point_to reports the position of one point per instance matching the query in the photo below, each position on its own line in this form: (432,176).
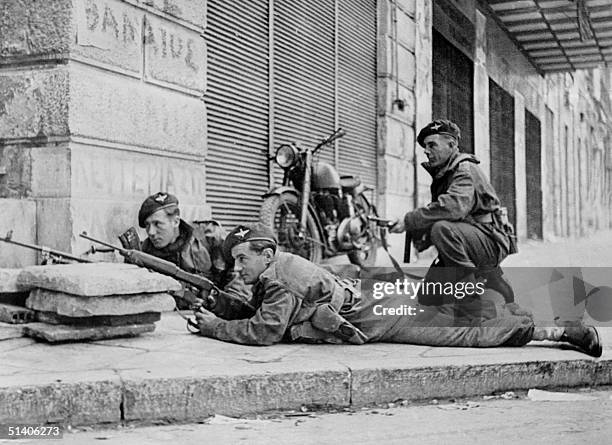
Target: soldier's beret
(246,233)
(154,203)
(439,126)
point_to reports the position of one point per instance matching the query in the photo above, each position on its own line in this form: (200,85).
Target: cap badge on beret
(436,127)
(161,197)
(242,233)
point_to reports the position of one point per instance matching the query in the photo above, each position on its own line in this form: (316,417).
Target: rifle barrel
(46,249)
(119,249)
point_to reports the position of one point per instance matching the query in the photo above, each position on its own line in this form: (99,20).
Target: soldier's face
(162,229)
(438,148)
(248,263)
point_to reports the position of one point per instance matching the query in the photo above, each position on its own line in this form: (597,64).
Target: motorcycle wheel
(281,213)
(366,257)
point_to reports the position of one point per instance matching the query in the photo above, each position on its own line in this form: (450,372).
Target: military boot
(497,282)
(584,337)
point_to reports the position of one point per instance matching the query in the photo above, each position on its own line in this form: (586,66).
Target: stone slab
(10,331)
(78,306)
(34,103)
(78,403)
(98,320)
(79,100)
(97,279)
(62,333)
(16,171)
(110,107)
(15,314)
(174,54)
(183,399)
(8,279)
(375,385)
(31,29)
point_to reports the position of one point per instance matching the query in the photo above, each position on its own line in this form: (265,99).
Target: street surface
(472,421)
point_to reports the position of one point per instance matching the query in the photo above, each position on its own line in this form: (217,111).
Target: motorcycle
(316,213)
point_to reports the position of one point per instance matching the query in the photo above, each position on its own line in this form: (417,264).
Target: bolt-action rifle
(49,256)
(218,301)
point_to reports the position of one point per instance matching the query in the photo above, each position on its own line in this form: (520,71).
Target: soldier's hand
(207,301)
(397,225)
(207,321)
(515,309)
(422,243)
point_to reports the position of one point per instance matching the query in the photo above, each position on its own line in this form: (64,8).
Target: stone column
(424,92)
(481,96)
(397,106)
(103,102)
(519,165)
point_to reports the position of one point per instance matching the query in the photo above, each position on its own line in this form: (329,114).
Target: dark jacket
(291,296)
(192,253)
(189,252)
(459,188)
(459,192)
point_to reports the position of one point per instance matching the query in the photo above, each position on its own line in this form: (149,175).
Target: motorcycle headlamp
(286,155)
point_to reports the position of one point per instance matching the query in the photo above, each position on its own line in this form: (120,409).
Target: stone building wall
(404,91)
(102,105)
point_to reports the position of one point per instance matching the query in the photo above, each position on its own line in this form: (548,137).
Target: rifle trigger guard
(192,326)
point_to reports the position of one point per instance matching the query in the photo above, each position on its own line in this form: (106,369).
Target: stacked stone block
(95,301)
(12,298)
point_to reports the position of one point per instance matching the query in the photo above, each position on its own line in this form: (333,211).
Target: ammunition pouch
(326,325)
(130,239)
(501,221)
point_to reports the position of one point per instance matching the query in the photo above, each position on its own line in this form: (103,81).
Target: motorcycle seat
(349,183)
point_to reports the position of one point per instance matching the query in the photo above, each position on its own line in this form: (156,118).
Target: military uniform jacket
(459,192)
(188,252)
(296,300)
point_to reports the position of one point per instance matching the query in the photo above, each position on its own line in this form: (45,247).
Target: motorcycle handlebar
(335,135)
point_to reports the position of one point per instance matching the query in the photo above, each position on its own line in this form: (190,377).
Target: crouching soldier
(171,238)
(298,301)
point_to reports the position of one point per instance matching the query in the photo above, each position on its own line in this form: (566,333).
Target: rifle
(49,256)
(218,301)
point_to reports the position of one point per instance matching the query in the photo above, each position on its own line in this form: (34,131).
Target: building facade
(103,102)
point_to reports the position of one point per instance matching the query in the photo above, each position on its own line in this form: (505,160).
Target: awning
(559,35)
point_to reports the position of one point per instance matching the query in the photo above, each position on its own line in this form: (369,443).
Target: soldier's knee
(441,231)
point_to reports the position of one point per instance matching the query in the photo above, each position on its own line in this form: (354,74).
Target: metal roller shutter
(533,170)
(304,68)
(237,104)
(322,74)
(453,89)
(501,121)
(357,88)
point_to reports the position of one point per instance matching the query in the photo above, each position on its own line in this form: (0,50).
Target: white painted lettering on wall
(174,53)
(111,174)
(106,25)
(114,32)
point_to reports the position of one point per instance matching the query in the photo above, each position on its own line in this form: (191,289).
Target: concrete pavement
(171,375)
